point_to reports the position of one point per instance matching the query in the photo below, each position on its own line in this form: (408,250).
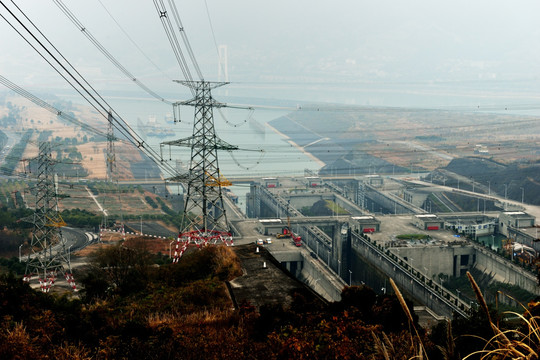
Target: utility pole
(48,254)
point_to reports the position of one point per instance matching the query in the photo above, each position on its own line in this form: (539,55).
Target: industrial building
(428,222)
(514,219)
(365,224)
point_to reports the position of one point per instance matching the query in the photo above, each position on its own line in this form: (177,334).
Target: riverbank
(288,139)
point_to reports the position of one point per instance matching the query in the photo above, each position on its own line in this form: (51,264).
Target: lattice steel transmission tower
(111,156)
(48,254)
(204,217)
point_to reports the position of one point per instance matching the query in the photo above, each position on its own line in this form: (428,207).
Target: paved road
(150,228)
(528,208)
(13,138)
(76,239)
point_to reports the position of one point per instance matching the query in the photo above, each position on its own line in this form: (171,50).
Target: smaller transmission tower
(111,156)
(48,254)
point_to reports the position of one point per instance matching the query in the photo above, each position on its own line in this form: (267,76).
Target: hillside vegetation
(515,176)
(131,308)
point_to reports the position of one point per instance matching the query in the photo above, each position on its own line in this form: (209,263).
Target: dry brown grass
(385,347)
(509,344)
(152,245)
(228,262)
(205,317)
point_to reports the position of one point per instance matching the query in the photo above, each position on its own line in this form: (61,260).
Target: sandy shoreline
(310,155)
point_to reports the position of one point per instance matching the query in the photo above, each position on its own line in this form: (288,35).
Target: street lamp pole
(339,268)
(20,256)
(505,190)
(522,195)
(350,277)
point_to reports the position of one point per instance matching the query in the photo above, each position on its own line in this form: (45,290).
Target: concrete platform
(264,282)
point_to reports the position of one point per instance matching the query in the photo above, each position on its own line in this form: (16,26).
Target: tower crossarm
(196,142)
(182,178)
(55,222)
(196,85)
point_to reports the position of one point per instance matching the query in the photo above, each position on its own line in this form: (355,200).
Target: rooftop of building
(426,216)
(392,226)
(518,214)
(365,219)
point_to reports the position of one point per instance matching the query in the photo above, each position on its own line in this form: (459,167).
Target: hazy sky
(300,42)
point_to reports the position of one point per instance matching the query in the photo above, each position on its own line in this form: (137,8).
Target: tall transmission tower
(111,156)
(48,254)
(204,219)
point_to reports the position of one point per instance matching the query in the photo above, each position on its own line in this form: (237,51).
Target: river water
(279,157)
(266,153)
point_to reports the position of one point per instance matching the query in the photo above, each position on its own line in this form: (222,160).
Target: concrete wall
(311,271)
(392,205)
(432,261)
(449,260)
(325,283)
(409,280)
(504,271)
(308,199)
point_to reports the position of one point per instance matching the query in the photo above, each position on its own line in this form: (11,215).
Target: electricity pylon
(204,217)
(48,254)
(111,156)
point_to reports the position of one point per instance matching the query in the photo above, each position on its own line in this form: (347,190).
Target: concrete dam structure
(338,250)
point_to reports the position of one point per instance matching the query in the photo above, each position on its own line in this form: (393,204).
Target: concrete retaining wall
(432,261)
(392,205)
(409,280)
(504,271)
(321,280)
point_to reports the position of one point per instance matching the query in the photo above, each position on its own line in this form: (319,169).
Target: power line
(214,36)
(105,52)
(79,83)
(39,102)
(185,39)
(173,41)
(133,41)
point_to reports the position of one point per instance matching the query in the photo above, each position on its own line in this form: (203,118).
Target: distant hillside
(515,176)
(3,139)
(357,162)
(383,139)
